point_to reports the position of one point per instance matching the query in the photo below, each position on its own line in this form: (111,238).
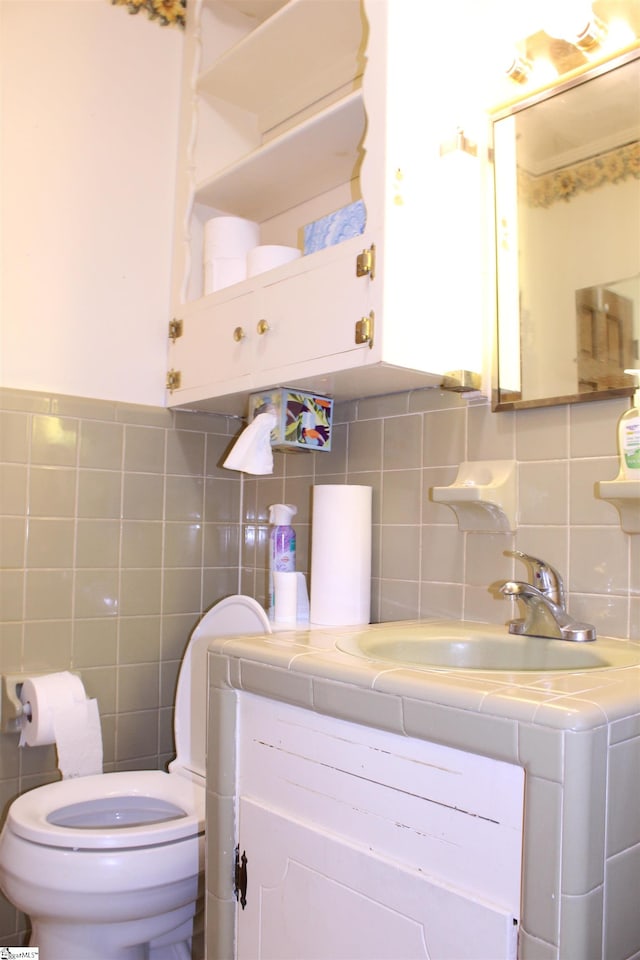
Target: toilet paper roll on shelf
(226,243)
(268,256)
(56,710)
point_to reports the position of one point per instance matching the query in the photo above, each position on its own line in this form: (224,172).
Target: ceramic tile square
(186,453)
(585,505)
(12,542)
(398,600)
(441,600)
(542,434)
(400,553)
(141,593)
(388,405)
(622,932)
(594,427)
(50,543)
(101,445)
(365,446)
(623,817)
(491,436)
(144,449)
(97,543)
(13,489)
(14,437)
(139,640)
(543,493)
(222,501)
(52,492)
(95,643)
(541,893)
(48,594)
(581,923)
(47,645)
(96,594)
(598,560)
(401,496)
(584,809)
(183,545)
(99,493)
(181,591)
(442,555)
(487,565)
(54,441)
(217,449)
(143,496)
(11,595)
(444,439)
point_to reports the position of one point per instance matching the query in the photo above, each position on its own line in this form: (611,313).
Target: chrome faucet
(545,605)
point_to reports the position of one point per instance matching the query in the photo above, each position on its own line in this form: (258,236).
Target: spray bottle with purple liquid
(282,545)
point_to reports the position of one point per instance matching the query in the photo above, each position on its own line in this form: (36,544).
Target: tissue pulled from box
(252,453)
(341,225)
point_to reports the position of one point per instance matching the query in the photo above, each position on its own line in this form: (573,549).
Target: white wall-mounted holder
(483,496)
(12,711)
(624,495)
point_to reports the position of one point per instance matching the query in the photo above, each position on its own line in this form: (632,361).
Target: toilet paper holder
(12,710)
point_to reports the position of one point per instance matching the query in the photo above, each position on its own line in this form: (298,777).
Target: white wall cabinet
(292,110)
(361,845)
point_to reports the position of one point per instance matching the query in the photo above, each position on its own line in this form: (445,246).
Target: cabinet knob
(262,326)
(238,334)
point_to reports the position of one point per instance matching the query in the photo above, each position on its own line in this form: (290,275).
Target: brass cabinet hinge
(174,379)
(176,328)
(366,262)
(364,329)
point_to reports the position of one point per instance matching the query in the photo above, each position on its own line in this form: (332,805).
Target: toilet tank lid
(235,615)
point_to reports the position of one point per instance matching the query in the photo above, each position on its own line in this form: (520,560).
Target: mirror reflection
(567,178)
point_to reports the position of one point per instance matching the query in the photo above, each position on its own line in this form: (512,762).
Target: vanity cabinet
(291,111)
(352,843)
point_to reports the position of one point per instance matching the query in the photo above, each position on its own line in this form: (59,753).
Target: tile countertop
(316,672)
(576,734)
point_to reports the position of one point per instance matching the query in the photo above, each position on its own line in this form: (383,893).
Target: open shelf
(293,167)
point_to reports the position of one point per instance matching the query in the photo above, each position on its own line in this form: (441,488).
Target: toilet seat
(142,808)
(139,808)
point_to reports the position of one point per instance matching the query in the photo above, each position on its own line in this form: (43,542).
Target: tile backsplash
(118,528)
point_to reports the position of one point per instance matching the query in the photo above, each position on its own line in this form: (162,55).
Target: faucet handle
(545,577)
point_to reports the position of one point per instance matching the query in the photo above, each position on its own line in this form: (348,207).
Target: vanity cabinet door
(312,895)
(365,845)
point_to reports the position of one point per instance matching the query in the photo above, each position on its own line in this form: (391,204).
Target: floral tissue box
(304,419)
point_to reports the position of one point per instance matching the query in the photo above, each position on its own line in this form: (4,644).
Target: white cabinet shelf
(294,58)
(276,177)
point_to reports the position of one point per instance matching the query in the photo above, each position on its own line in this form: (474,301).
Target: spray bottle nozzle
(281,514)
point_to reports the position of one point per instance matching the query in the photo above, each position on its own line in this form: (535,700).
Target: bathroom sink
(466,645)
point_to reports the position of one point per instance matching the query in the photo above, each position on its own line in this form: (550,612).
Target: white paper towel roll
(60,713)
(341,555)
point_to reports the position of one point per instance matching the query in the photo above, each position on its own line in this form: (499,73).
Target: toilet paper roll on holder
(13,711)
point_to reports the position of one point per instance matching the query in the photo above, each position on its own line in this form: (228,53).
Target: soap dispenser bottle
(629,437)
(282,545)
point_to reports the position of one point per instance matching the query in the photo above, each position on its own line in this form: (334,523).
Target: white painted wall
(89,136)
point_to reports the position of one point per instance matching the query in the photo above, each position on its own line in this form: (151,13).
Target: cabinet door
(312,314)
(217,345)
(312,895)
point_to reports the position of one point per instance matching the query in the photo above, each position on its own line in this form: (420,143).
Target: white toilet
(109,867)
